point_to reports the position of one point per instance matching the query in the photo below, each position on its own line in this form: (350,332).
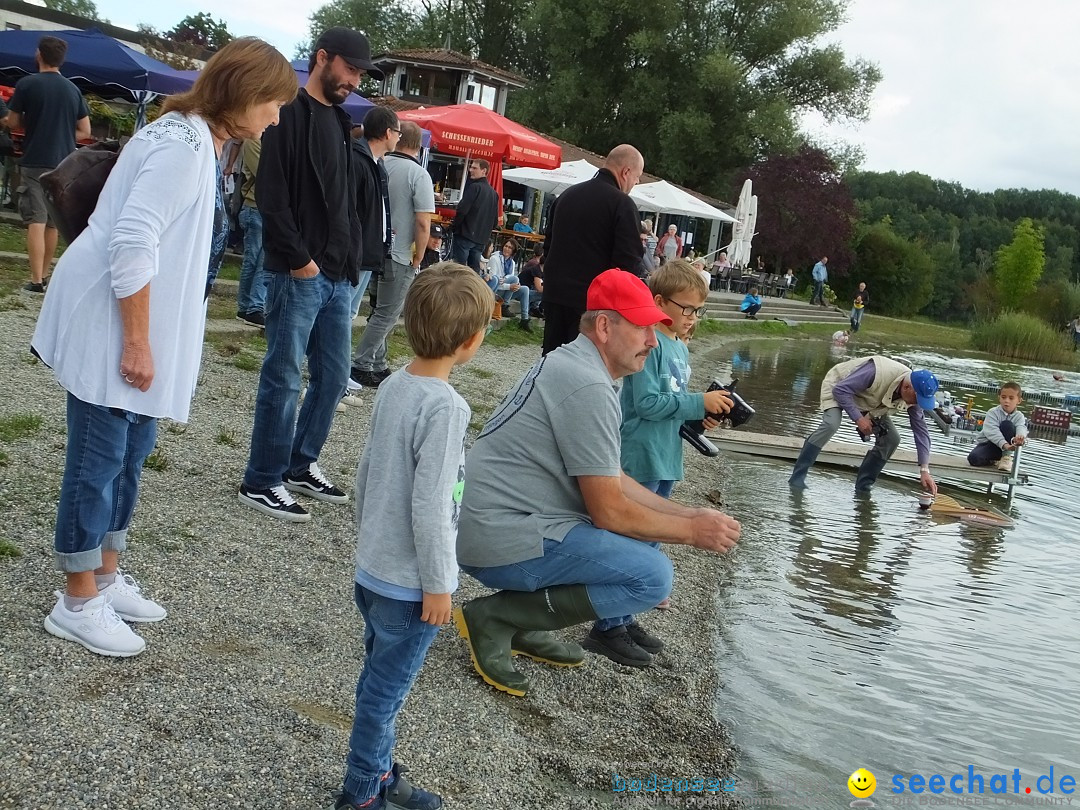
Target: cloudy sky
(982,92)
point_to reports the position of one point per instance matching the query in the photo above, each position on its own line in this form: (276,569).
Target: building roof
(394,103)
(441,57)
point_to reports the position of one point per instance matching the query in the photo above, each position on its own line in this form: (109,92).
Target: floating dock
(846,454)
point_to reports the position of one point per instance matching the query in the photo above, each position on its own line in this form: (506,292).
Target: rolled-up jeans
(106,448)
(622,576)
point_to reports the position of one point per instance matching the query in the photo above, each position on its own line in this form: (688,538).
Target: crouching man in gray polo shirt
(585,548)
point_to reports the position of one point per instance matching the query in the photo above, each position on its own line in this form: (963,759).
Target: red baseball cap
(626,294)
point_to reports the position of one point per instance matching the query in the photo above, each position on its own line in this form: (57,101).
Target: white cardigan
(153,224)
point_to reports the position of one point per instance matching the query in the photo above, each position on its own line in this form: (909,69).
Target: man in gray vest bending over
(867,389)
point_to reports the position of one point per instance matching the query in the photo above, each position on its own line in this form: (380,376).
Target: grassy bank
(1022,336)
(875,328)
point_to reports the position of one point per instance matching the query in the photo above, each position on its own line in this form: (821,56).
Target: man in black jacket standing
(593,227)
(477,216)
(304,190)
(381,133)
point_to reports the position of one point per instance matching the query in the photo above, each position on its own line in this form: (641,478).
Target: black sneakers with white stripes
(314,484)
(275,502)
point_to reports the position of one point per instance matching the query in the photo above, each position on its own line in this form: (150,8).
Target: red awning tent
(473,131)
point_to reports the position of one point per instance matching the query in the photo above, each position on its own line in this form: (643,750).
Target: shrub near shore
(1016,334)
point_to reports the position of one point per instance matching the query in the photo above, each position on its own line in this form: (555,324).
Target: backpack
(73,187)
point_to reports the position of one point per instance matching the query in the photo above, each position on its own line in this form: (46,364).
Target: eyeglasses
(398,131)
(697,311)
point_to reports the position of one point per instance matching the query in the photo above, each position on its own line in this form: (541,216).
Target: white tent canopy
(662,196)
(553,181)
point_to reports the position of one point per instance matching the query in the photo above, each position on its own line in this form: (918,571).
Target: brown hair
(411,136)
(244,73)
(1011,386)
(512,242)
(52,51)
(446,305)
(675,277)
(483,164)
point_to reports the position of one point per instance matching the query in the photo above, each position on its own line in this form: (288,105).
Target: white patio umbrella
(748,232)
(553,181)
(663,196)
(742,211)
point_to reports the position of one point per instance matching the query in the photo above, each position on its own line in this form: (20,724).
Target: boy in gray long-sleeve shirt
(408,494)
(1004,428)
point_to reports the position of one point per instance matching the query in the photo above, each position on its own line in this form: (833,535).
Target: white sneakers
(129,604)
(98,625)
(1005,463)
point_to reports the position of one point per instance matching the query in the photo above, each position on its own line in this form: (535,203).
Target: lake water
(862,633)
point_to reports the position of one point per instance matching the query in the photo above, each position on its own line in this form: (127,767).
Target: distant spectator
(1074,329)
(751,304)
(699,266)
(857,307)
(52,112)
(532,277)
(820,276)
(721,266)
(787,283)
(670,245)
(648,244)
(433,250)
(522,225)
(477,215)
(505,284)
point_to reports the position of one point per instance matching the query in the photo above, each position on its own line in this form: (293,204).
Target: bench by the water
(851,455)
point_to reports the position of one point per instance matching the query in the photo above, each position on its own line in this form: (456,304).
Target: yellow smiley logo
(862,784)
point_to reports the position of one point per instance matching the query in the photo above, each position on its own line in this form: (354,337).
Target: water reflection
(862,632)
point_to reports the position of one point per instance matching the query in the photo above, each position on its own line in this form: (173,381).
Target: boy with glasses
(655,402)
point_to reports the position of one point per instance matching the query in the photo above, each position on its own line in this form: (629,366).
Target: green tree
(80,8)
(703,87)
(177,55)
(898,272)
(1019,265)
(201,30)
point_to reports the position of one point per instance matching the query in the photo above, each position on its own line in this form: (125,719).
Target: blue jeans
(106,448)
(251,294)
(522,296)
(305,316)
(622,575)
(467,252)
(663,489)
(358,293)
(819,293)
(395,643)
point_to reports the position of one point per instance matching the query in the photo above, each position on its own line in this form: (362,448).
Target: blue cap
(926,385)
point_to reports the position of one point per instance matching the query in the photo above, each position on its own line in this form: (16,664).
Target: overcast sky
(982,92)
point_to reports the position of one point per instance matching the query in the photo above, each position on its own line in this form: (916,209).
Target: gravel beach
(243,697)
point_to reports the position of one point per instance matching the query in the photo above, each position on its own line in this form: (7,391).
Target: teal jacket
(655,402)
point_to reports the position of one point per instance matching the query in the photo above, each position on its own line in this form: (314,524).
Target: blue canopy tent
(97,63)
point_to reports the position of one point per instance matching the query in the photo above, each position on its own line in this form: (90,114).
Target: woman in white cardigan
(122,326)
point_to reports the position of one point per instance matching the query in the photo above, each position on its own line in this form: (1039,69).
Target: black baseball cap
(437,230)
(352,46)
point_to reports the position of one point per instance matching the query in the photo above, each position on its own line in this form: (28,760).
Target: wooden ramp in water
(848,454)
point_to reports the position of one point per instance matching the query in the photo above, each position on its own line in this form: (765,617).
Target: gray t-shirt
(50,106)
(408,488)
(560,421)
(411,192)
